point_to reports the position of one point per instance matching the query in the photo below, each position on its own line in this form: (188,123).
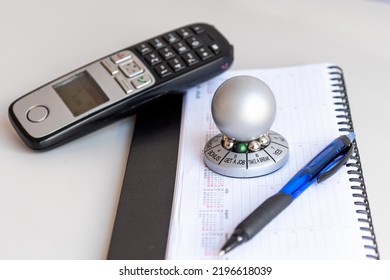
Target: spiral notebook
(172,206)
(331,220)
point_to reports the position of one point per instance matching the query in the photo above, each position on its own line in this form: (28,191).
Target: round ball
(243,108)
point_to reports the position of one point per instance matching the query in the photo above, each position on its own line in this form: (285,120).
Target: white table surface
(61,204)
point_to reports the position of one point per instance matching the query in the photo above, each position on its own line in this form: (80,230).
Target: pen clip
(329,172)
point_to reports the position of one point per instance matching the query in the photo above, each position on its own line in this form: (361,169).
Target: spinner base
(248,164)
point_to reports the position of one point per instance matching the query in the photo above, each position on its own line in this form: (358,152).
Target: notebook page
(320,224)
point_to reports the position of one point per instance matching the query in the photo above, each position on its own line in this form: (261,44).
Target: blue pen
(320,168)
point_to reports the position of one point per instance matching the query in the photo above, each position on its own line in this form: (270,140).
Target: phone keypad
(177,50)
(163,57)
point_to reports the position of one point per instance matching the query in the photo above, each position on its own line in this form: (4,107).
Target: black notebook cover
(142,220)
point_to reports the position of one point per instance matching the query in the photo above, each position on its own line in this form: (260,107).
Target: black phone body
(115,86)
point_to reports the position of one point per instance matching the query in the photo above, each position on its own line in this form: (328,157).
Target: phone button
(110,66)
(121,57)
(131,69)
(163,70)
(124,83)
(37,114)
(141,81)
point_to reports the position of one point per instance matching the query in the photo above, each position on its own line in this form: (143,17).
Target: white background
(61,204)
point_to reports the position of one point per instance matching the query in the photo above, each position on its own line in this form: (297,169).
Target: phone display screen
(80,93)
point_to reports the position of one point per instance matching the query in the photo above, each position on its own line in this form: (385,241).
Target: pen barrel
(265,213)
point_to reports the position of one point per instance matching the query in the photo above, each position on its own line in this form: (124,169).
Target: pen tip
(235,240)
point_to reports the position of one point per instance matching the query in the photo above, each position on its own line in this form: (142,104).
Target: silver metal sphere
(243,108)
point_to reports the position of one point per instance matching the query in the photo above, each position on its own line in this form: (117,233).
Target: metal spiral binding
(354,164)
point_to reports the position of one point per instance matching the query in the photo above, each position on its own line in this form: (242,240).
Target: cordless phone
(116,85)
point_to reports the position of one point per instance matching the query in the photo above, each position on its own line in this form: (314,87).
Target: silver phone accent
(81,93)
